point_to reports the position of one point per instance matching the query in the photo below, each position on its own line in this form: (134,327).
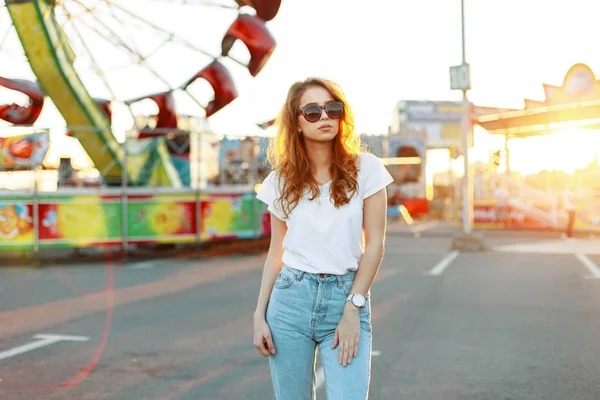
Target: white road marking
(321,374)
(553,246)
(417,229)
(444,263)
(144,265)
(43,340)
(590,265)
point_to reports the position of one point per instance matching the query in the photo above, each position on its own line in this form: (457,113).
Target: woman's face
(325,129)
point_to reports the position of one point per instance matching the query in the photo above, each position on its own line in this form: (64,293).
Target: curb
(239,247)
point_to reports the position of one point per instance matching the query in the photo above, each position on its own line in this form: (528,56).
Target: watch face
(358,300)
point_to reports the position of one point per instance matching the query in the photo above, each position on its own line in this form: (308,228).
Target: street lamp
(460,79)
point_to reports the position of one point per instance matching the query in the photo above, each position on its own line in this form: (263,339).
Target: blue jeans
(303,313)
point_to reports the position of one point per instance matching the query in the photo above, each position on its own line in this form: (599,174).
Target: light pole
(460,79)
(466,127)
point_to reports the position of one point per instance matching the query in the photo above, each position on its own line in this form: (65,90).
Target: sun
(566,151)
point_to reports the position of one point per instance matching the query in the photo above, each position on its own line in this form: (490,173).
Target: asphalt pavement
(519,322)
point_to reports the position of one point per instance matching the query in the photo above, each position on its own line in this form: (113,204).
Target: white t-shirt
(321,238)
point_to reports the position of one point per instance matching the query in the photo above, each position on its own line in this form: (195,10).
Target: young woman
(328,205)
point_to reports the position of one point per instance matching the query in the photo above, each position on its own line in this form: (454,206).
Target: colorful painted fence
(85,220)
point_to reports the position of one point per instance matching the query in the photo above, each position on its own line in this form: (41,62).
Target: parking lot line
(589,264)
(42,341)
(439,268)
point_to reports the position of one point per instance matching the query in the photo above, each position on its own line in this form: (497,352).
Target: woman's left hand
(347,335)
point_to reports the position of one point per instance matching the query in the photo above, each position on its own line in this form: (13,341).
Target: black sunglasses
(313,113)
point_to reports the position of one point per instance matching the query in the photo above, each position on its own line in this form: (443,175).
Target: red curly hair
(287,152)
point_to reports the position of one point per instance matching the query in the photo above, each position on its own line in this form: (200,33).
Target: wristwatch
(357,299)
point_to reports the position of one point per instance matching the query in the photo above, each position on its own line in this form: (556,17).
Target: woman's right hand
(263,341)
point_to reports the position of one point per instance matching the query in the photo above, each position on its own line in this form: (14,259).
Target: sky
(396,50)
(380,52)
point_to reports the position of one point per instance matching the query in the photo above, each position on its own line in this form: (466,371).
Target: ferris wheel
(102,61)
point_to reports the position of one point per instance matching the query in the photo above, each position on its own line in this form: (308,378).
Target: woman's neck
(319,155)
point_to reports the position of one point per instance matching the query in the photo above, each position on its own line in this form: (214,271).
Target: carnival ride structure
(56,35)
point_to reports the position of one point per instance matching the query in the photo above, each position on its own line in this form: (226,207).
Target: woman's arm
(272,266)
(263,341)
(374,223)
(347,334)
